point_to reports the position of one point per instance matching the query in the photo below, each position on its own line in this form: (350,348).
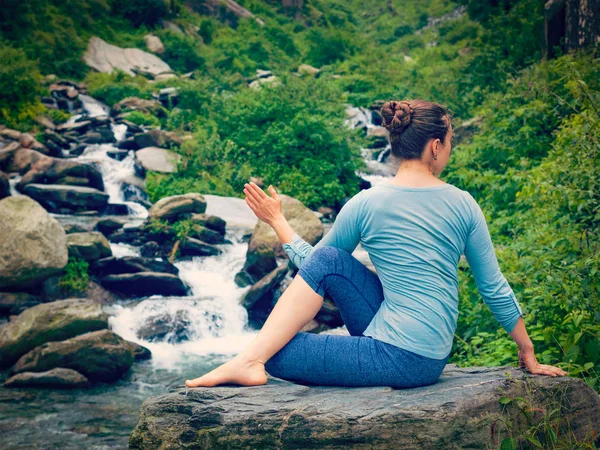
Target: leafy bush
(114,87)
(20,86)
(143,119)
(76,278)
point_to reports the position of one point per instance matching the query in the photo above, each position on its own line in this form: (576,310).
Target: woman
(402,319)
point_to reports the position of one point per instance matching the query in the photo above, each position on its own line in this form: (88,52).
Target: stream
(209,326)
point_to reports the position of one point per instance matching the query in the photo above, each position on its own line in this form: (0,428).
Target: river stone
(47,170)
(56,379)
(54,321)
(57,198)
(99,355)
(259,298)
(145,284)
(105,58)
(170,208)
(4,186)
(193,247)
(90,245)
(34,243)
(457,412)
(156,159)
(264,244)
(14,303)
(131,264)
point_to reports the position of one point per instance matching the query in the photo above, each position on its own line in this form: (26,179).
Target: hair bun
(396,115)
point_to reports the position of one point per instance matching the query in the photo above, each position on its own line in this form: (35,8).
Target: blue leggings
(355,360)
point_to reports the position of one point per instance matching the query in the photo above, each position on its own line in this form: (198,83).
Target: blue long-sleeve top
(415,238)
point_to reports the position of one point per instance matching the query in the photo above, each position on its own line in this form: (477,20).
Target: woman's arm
(344,234)
(497,293)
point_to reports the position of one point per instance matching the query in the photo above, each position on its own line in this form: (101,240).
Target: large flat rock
(457,412)
(105,57)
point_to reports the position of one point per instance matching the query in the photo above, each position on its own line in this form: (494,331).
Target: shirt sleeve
(491,283)
(344,234)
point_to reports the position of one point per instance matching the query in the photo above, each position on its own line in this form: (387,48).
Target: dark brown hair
(412,123)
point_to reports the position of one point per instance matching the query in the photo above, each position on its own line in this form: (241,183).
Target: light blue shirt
(415,238)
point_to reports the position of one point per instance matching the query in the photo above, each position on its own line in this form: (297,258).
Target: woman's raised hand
(527,360)
(268,209)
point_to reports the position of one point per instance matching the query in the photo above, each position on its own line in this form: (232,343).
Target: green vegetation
(531,165)
(75,279)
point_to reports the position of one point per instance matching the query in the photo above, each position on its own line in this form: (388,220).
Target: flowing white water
(377,171)
(211,319)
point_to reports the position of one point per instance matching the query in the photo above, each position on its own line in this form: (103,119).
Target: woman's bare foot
(238,370)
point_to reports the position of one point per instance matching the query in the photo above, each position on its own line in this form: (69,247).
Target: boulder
(14,303)
(307,69)
(140,353)
(90,246)
(145,284)
(110,224)
(137,104)
(156,159)
(465,408)
(61,198)
(47,322)
(98,355)
(169,208)
(4,186)
(7,154)
(169,327)
(23,159)
(193,247)
(258,300)
(264,244)
(48,170)
(131,264)
(105,58)
(157,138)
(34,243)
(58,378)
(214,223)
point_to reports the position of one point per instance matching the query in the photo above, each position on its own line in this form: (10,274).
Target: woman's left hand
(268,209)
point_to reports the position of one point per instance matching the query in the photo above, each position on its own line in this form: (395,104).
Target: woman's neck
(415,174)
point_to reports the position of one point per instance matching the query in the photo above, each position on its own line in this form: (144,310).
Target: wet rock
(38,168)
(140,353)
(169,208)
(105,58)
(80,127)
(110,225)
(4,186)
(7,154)
(157,138)
(145,284)
(98,355)
(259,298)
(90,246)
(146,233)
(75,228)
(264,246)
(242,279)
(14,303)
(455,412)
(194,247)
(170,328)
(212,222)
(61,198)
(58,378)
(131,264)
(204,234)
(34,243)
(150,249)
(119,155)
(47,322)
(157,159)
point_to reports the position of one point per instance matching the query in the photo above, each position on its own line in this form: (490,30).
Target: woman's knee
(324,260)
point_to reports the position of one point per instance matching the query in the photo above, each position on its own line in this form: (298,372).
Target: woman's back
(415,238)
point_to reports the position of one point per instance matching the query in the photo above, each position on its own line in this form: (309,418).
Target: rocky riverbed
(160,307)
